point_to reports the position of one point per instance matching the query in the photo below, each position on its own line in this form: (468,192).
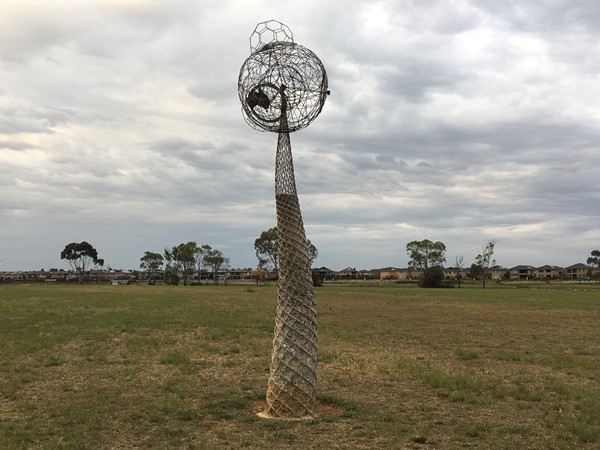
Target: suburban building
(522,272)
(325,273)
(578,271)
(549,272)
(386,273)
(498,273)
(349,273)
(452,273)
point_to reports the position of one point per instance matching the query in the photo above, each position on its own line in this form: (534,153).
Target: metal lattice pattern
(293,374)
(282,87)
(270,31)
(282,76)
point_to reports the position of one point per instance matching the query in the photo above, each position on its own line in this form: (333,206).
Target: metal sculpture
(282,87)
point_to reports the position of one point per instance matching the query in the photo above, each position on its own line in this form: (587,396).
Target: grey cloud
(550,17)
(201,154)
(27,119)
(15,145)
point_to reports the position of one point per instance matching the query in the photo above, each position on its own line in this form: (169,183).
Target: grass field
(128,367)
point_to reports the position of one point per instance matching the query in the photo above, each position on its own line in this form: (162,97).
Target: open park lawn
(165,367)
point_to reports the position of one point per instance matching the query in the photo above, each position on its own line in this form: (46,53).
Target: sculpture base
(266,415)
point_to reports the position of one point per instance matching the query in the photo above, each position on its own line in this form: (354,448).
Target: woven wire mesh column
(293,373)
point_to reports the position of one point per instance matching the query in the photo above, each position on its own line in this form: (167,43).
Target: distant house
(236,274)
(256,273)
(349,273)
(391,273)
(498,273)
(119,276)
(452,273)
(324,273)
(578,271)
(55,275)
(409,274)
(522,272)
(548,272)
(386,273)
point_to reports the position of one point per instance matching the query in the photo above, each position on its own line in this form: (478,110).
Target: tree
(266,250)
(182,258)
(475,272)
(484,259)
(428,257)
(80,255)
(594,261)
(201,262)
(98,263)
(459,268)
(172,268)
(432,277)
(313,253)
(151,262)
(214,260)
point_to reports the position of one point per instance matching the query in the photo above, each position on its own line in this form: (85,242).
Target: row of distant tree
(179,260)
(429,257)
(185,259)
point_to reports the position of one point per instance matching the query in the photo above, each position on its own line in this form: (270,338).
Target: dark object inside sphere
(258,98)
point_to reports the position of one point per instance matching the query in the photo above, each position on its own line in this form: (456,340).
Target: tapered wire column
(293,374)
(282,87)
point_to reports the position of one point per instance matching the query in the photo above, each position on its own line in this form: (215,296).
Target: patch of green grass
(525,393)
(350,361)
(176,358)
(391,422)
(10,387)
(148,342)
(585,432)
(177,386)
(326,357)
(474,429)
(227,408)
(563,390)
(568,363)
(177,409)
(54,361)
(438,379)
(210,348)
(590,406)
(337,401)
(21,435)
(465,355)
(514,430)
(511,355)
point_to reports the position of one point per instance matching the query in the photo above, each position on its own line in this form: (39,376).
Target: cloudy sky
(459,121)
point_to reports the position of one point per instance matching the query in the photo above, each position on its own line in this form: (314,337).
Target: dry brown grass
(162,367)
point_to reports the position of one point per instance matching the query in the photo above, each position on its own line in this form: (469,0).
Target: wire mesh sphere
(282,87)
(270,31)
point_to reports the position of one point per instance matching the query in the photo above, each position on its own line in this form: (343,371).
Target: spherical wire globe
(282,87)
